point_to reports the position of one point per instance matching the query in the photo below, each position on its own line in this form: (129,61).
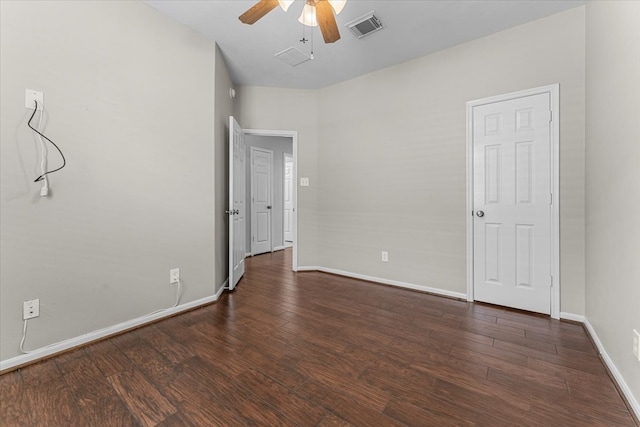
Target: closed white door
(237,208)
(512,203)
(288,200)
(261,207)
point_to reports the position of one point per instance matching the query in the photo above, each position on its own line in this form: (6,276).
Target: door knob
(228,212)
(480,214)
(268,207)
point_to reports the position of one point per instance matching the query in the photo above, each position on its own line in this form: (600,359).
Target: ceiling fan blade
(327,21)
(257,11)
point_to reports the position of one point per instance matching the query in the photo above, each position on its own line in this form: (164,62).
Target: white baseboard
(70,343)
(633,402)
(571,316)
(279,248)
(222,288)
(405,285)
(308,268)
(247,255)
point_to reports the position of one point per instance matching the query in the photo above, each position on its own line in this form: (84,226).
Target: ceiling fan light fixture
(337,5)
(284,4)
(308,16)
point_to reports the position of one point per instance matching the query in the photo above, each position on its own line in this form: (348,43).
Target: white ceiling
(412,29)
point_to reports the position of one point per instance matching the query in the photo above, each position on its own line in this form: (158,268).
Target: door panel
(261,196)
(512,188)
(237,208)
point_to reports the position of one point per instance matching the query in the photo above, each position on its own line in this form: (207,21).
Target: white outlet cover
(174,275)
(31,309)
(31,96)
(304,182)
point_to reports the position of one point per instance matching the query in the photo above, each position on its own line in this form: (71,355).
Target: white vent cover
(365,25)
(293,56)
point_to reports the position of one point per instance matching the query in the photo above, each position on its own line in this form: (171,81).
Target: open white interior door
(237,208)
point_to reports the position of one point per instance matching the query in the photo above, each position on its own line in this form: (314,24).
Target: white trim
(225,285)
(294,136)
(309,268)
(247,254)
(70,343)
(279,248)
(554,94)
(635,406)
(573,317)
(405,285)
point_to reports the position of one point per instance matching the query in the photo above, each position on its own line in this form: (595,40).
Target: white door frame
(253,204)
(293,184)
(554,96)
(294,136)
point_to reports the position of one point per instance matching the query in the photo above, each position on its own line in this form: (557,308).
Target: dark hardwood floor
(312,349)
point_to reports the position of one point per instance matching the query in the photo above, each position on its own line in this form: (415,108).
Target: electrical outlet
(636,344)
(385,256)
(174,275)
(304,182)
(31,96)
(31,309)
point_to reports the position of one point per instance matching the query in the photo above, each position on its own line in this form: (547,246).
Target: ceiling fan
(315,13)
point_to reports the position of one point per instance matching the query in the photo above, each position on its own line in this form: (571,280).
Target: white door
(237,209)
(288,200)
(512,190)
(261,207)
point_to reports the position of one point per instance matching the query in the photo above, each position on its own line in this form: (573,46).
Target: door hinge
(253,238)
(551,281)
(550,198)
(550,116)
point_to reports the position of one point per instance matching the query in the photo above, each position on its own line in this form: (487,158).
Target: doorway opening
(271,193)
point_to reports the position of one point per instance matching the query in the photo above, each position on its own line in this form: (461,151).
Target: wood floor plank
(332,420)
(143,400)
(53,404)
(14,407)
(414,416)
(108,358)
(313,349)
(345,405)
(298,410)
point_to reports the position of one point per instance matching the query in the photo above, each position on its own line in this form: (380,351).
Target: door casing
(554,95)
(287,156)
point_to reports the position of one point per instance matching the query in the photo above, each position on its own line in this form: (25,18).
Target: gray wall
(613,176)
(385,154)
(279,146)
(392,155)
(291,110)
(129,98)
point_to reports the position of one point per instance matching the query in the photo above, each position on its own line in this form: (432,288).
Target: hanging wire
(64,161)
(311,56)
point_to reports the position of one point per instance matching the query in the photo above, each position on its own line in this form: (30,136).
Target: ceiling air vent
(293,56)
(365,25)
